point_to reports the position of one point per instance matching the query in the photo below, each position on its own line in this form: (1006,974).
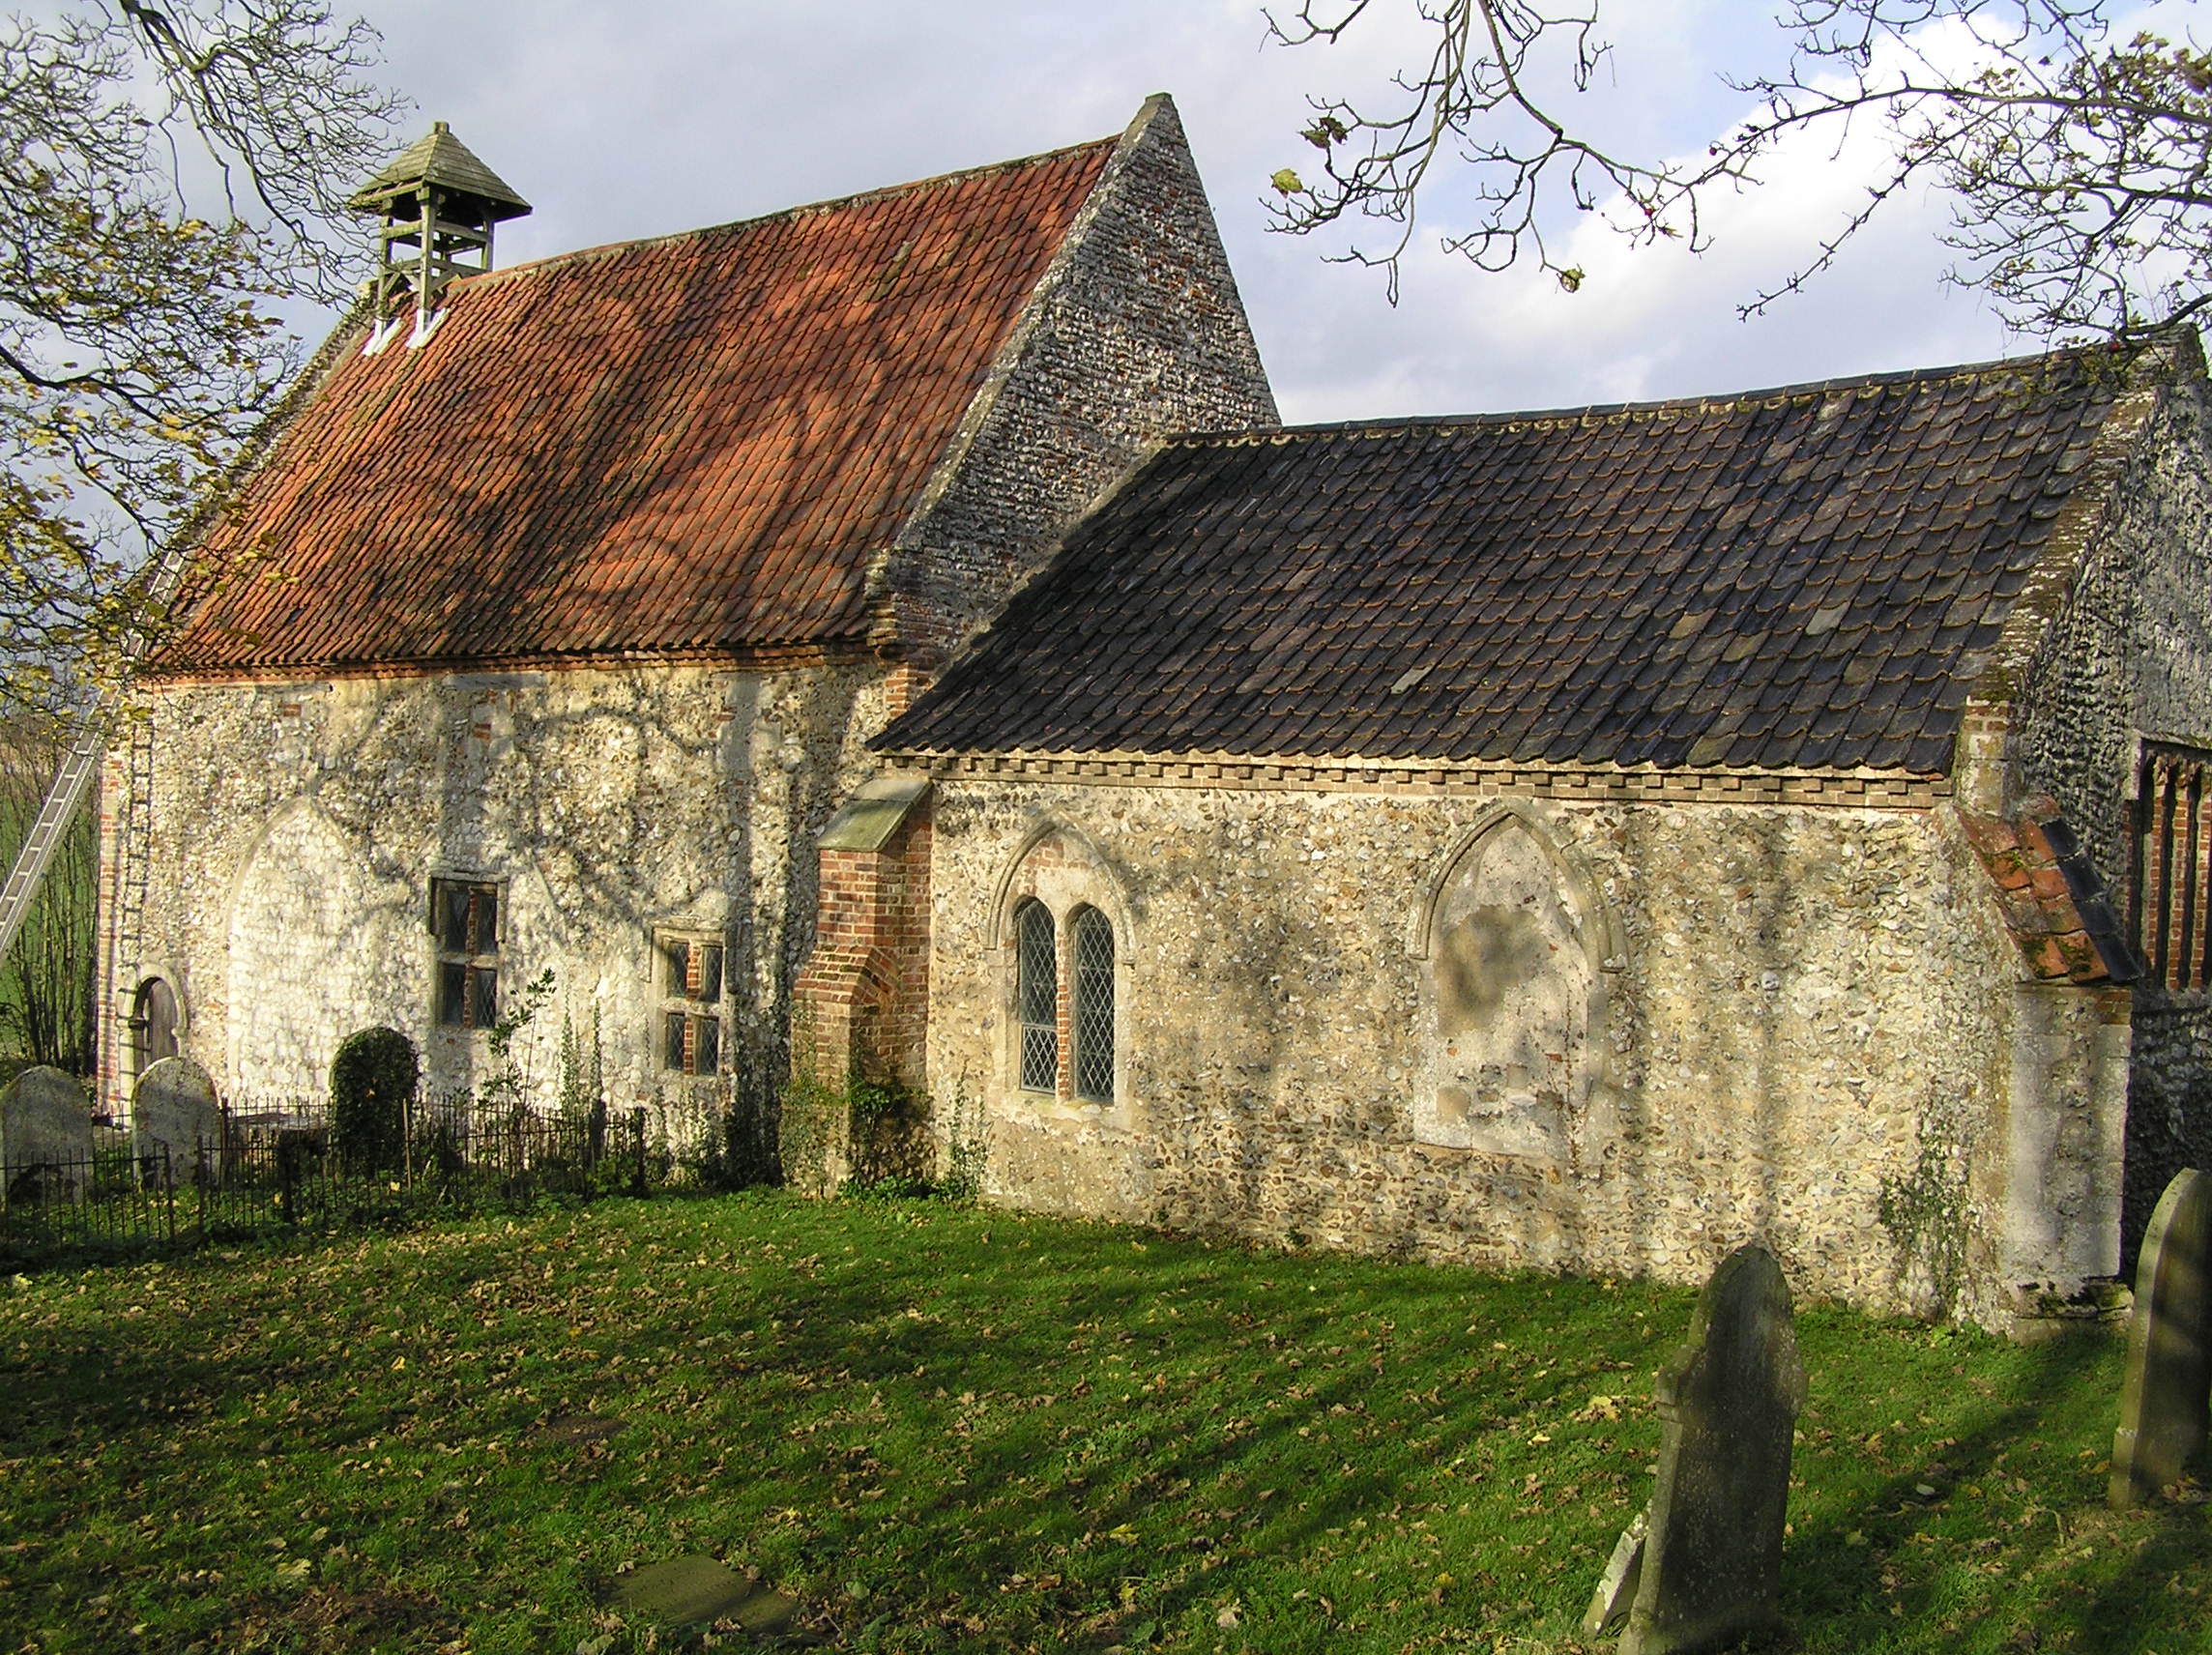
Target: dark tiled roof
(681,446)
(1799,578)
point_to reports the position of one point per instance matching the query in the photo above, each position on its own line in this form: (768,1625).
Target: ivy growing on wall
(372,1089)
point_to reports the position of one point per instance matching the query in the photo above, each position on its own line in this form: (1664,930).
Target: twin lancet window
(1065,1023)
(2173,866)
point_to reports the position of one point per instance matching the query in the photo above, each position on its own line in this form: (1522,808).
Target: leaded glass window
(464,917)
(1093,1007)
(1037,991)
(690,1005)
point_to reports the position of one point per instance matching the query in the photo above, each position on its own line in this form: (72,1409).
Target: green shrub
(372,1087)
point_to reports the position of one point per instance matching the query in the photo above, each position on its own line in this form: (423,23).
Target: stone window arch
(1513,996)
(1063,931)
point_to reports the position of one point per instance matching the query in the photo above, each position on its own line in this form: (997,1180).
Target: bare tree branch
(136,353)
(2079,168)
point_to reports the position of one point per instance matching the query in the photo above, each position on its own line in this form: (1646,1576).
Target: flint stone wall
(1804,1033)
(2127,655)
(297,828)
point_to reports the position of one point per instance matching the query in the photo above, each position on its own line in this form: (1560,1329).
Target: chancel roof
(1808,577)
(687,447)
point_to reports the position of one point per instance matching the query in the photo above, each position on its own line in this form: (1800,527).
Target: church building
(1588,840)
(894,635)
(556,619)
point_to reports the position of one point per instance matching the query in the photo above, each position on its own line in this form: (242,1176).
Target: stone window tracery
(1064,936)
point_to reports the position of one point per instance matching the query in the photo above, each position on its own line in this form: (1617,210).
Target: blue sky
(623,120)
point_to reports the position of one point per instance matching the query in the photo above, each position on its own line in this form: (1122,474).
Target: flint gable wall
(2121,656)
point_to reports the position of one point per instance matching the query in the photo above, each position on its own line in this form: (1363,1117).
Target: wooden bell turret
(436,205)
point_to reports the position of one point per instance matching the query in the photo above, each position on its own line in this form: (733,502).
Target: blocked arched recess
(305,963)
(1519,949)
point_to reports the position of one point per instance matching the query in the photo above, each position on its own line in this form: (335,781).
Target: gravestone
(173,1107)
(2168,1393)
(690,1592)
(1709,1571)
(45,1137)
(1616,1593)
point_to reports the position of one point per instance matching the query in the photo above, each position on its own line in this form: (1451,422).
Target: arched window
(1036,996)
(1093,1007)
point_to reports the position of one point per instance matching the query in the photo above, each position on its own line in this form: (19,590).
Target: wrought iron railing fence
(273,1170)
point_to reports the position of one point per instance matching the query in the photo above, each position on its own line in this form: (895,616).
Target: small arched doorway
(153,1023)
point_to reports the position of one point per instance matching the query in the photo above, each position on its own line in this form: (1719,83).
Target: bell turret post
(436,205)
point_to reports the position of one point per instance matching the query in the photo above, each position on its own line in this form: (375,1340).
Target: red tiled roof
(676,446)
(2054,901)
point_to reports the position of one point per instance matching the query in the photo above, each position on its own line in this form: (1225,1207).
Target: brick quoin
(863,999)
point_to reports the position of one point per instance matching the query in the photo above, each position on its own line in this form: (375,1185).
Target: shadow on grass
(1061,1433)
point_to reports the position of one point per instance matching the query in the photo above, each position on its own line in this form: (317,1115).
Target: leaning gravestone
(45,1137)
(1708,1569)
(173,1108)
(2167,1396)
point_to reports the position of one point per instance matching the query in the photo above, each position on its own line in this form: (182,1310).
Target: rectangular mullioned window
(691,1003)
(464,921)
(2172,850)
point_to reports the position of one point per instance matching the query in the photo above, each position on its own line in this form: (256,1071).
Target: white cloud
(623,119)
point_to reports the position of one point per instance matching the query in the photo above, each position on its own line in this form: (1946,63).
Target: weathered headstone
(688,1591)
(2167,1397)
(1616,1593)
(45,1137)
(173,1109)
(1710,1570)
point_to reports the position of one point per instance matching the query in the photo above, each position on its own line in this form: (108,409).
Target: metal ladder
(62,801)
(66,796)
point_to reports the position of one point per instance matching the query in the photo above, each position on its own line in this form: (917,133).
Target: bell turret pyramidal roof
(439,158)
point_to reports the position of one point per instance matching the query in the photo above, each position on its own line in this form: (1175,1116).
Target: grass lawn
(966,1430)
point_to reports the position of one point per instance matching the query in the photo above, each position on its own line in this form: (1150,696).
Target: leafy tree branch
(167,175)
